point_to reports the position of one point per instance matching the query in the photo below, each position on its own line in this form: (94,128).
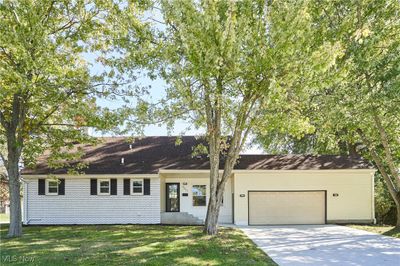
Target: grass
(129,245)
(386,230)
(4,217)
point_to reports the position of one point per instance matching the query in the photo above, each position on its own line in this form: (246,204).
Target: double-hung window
(137,186)
(104,186)
(199,195)
(52,187)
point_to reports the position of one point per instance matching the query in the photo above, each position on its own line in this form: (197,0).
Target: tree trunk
(217,183)
(395,192)
(387,151)
(398,213)
(15,228)
(352,148)
(214,205)
(14,135)
(211,225)
(213,117)
(14,149)
(391,186)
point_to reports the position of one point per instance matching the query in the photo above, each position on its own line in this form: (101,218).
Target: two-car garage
(288,197)
(287,207)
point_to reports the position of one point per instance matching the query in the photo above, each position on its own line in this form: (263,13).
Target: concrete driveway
(324,245)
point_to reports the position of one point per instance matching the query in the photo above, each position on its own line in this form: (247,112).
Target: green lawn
(128,245)
(386,230)
(4,217)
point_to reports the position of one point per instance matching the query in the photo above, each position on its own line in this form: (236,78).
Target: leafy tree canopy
(357,100)
(47,92)
(234,69)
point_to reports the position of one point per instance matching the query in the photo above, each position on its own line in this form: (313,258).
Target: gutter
(252,171)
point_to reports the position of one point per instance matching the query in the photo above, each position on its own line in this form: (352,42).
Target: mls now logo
(15,258)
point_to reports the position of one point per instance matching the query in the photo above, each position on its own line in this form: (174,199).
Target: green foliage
(365,79)
(243,56)
(358,100)
(385,209)
(361,82)
(280,143)
(353,102)
(230,68)
(362,101)
(47,93)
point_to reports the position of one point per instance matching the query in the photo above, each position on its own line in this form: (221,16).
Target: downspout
(373,197)
(26,219)
(25,202)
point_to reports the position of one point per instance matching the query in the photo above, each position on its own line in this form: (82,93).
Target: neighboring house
(154,181)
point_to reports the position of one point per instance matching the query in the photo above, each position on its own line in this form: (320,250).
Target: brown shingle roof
(149,154)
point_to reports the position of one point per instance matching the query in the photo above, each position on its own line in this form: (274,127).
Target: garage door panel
(286,207)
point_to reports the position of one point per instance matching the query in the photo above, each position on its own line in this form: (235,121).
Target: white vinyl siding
(77,206)
(349,193)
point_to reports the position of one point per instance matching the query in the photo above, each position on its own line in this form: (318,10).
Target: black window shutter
(93,186)
(146,185)
(113,184)
(61,186)
(41,186)
(127,186)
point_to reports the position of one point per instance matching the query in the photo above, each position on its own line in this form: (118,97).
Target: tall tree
(228,66)
(47,93)
(360,95)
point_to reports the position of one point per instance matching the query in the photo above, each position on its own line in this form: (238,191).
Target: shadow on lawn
(394,232)
(131,244)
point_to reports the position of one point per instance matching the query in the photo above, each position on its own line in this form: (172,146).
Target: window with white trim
(137,186)
(52,187)
(103,187)
(199,195)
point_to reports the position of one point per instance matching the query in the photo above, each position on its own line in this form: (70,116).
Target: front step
(182,218)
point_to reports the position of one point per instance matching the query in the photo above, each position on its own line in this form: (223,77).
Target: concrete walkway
(325,245)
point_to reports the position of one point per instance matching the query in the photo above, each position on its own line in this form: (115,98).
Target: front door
(172,197)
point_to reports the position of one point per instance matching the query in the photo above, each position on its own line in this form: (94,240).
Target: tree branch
(3,121)
(387,151)
(5,162)
(379,163)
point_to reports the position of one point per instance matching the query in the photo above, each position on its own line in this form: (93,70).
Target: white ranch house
(152,180)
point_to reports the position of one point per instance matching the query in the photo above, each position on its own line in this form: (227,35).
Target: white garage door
(286,207)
